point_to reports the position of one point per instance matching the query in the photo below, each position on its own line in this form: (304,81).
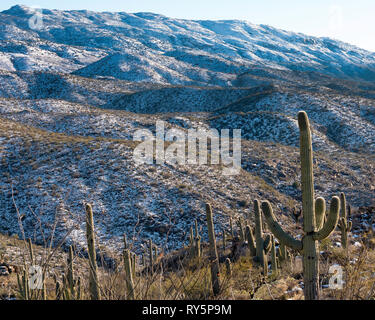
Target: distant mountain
(154,48)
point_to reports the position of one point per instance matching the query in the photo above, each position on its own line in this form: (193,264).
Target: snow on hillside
(73,93)
(151,47)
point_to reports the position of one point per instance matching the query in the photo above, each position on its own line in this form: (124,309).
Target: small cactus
(191,238)
(129,274)
(344,225)
(263,245)
(23,285)
(241,230)
(197,241)
(214,259)
(90,235)
(274,262)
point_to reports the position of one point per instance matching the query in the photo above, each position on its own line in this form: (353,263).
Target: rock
(4,271)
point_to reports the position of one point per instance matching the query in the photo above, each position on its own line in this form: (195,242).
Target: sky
(346,20)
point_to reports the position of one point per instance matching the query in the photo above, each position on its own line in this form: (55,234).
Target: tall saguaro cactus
(344,225)
(312,233)
(93,280)
(263,245)
(214,259)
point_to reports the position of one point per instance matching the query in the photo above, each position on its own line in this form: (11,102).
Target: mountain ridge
(211,52)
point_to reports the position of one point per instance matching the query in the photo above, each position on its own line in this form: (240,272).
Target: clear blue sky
(347,20)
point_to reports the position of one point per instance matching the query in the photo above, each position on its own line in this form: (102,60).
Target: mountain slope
(73,93)
(151,47)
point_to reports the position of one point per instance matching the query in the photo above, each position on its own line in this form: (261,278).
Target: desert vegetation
(234,264)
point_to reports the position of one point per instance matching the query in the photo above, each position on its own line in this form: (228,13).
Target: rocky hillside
(73,93)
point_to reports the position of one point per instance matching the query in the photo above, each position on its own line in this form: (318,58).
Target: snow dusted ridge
(151,47)
(73,93)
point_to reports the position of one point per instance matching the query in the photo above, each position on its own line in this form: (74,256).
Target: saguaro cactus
(93,279)
(263,245)
(231,227)
(196,249)
(241,230)
(23,285)
(344,225)
(308,244)
(129,274)
(214,259)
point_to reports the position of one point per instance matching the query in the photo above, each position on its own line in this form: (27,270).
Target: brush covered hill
(74,92)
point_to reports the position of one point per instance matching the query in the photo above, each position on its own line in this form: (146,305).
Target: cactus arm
(342,224)
(267,244)
(250,241)
(276,229)
(331,222)
(320,210)
(350,224)
(343,205)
